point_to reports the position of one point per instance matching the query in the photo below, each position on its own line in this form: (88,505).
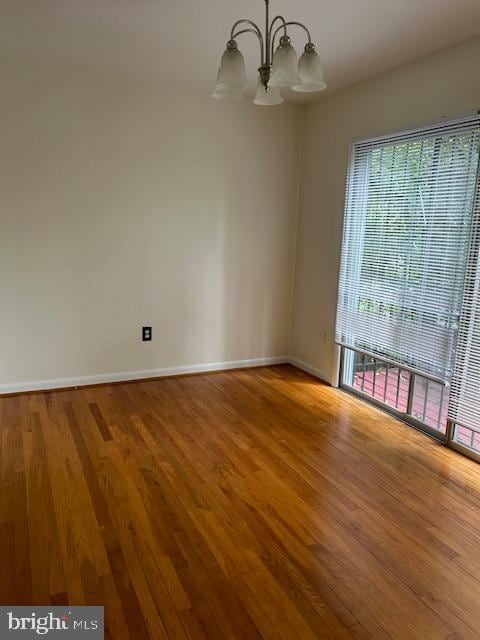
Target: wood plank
(246,504)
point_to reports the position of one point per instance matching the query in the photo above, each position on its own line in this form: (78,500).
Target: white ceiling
(180,41)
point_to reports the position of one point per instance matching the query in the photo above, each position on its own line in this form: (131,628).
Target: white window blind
(407,226)
(464,407)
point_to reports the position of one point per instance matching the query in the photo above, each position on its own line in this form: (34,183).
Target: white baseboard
(127,376)
(105,378)
(321,375)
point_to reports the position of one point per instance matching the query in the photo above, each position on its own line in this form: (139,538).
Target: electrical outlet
(325,336)
(146,334)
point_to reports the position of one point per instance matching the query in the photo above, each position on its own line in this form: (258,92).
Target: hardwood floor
(249,504)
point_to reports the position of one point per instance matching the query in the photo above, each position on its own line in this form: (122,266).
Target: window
(464,410)
(406,260)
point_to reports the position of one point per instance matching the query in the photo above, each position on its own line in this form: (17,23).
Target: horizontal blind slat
(464,407)
(406,234)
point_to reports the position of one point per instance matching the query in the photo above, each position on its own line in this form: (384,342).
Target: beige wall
(446,84)
(126,204)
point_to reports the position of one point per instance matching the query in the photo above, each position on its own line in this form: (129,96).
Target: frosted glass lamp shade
(224,91)
(268,98)
(284,65)
(232,77)
(310,72)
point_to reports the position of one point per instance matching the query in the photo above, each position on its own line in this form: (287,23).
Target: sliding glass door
(464,405)
(416,398)
(408,317)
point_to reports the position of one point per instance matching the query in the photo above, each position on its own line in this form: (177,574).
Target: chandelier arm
(259,36)
(284,26)
(276,19)
(251,23)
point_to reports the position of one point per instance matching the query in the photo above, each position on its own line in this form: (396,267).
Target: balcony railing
(419,399)
(416,398)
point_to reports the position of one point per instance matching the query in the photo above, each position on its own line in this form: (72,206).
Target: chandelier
(278,68)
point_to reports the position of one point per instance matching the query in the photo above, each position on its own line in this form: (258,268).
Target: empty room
(240,319)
